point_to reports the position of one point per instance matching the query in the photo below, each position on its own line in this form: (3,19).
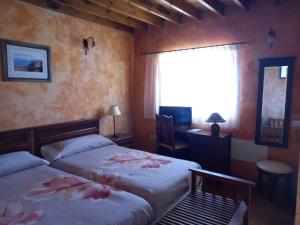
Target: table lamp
(215,128)
(115,111)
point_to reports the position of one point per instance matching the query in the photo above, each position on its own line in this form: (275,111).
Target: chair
(166,137)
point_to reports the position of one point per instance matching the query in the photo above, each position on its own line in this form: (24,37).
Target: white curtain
(151,102)
(205,79)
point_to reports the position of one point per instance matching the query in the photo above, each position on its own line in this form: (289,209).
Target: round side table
(274,170)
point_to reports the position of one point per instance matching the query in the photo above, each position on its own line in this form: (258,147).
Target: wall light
(88,43)
(271,37)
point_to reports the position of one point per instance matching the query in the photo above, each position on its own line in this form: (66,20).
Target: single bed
(160,180)
(33,193)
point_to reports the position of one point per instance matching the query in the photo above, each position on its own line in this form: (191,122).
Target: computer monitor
(182,116)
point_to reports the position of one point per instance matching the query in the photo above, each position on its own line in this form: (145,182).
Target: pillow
(72,146)
(17,161)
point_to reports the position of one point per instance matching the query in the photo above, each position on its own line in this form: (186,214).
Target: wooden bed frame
(32,139)
(16,140)
(47,134)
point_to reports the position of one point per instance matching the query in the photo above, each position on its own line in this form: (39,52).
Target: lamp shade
(115,111)
(215,118)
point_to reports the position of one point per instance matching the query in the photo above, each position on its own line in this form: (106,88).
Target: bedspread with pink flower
(69,188)
(12,213)
(156,178)
(45,196)
(138,159)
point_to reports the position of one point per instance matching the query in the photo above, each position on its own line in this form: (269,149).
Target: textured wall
(237,25)
(82,86)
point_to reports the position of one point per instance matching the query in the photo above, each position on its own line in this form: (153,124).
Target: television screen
(182,116)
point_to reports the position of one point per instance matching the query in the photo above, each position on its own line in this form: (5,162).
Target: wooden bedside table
(125,140)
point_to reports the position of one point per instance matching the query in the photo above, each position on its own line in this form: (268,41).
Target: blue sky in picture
(25,62)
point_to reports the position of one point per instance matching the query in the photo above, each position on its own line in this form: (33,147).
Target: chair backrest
(165,130)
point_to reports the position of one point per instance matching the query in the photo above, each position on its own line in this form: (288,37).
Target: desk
(211,152)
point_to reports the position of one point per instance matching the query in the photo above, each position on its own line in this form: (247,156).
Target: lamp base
(114,136)
(215,129)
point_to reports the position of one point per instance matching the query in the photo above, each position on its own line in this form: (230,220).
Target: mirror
(274,101)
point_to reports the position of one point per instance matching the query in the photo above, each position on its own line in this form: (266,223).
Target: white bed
(33,193)
(158,179)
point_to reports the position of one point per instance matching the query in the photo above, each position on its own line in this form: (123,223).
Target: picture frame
(25,62)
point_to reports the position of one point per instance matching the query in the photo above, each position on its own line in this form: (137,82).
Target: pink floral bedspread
(12,213)
(135,159)
(45,196)
(157,179)
(69,188)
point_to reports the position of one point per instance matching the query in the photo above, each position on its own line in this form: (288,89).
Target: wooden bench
(202,207)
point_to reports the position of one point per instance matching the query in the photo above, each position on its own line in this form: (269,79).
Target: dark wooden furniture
(201,207)
(211,152)
(47,134)
(125,140)
(16,140)
(165,135)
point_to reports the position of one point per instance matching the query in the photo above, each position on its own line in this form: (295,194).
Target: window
(206,79)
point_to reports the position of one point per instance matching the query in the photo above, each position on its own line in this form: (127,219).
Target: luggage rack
(201,207)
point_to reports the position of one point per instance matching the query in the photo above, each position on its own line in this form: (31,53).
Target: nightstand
(125,140)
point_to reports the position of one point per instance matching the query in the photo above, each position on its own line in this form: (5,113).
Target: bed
(31,192)
(160,180)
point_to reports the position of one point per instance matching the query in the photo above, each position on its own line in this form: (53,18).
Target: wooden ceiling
(128,15)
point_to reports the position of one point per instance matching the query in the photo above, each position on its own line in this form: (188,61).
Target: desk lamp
(115,111)
(215,128)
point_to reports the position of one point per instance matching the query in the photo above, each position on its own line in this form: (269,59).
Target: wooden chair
(203,207)
(166,137)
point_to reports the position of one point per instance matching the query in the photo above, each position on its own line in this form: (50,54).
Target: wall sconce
(86,44)
(271,37)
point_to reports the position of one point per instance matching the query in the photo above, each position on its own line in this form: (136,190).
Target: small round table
(274,170)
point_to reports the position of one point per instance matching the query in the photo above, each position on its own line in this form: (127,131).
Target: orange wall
(237,25)
(82,86)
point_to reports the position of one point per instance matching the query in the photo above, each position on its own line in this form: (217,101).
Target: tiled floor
(264,212)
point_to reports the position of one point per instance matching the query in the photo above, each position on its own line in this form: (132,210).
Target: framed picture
(25,62)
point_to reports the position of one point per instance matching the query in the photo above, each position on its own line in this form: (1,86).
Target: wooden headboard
(47,134)
(16,140)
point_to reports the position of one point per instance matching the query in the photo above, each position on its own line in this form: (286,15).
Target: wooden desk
(211,152)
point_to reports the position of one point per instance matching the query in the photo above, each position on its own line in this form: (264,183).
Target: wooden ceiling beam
(244,4)
(91,8)
(51,5)
(214,6)
(184,8)
(171,17)
(126,9)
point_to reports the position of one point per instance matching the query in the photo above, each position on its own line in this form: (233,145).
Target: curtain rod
(208,46)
